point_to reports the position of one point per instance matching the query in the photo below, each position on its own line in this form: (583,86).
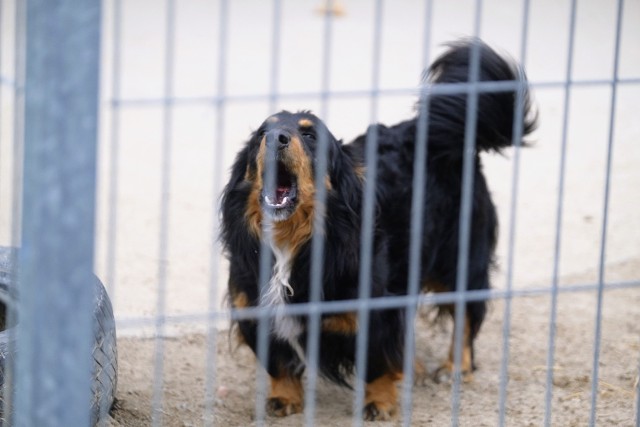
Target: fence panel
(56,259)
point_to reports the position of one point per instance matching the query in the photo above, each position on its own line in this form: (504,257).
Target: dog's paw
(374,411)
(420,374)
(445,374)
(280,407)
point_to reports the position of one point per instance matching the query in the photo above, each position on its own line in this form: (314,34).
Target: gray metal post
(53,369)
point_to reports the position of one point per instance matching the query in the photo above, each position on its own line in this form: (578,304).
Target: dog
(270,202)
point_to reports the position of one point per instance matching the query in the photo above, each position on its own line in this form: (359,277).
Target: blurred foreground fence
(54,133)
(56,90)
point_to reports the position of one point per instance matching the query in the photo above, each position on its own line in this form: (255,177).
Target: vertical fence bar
(417,221)
(218,170)
(114,155)
(517,142)
(53,385)
(637,392)
(18,154)
(605,216)
(2,78)
(5,390)
(318,242)
(264,319)
(16,187)
(367,227)
(415,253)
(265,316)
(274,74)
(18,120)
(165,202)
(466,206)
(559,212)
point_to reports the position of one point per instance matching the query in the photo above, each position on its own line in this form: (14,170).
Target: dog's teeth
(274,203)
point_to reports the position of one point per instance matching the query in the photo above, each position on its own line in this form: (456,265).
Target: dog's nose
(277,138)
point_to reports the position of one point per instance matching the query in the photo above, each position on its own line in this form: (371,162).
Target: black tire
(105,355)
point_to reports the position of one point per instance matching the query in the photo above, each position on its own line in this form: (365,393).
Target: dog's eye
(309,135)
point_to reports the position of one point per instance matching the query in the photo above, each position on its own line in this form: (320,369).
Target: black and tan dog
(286,144)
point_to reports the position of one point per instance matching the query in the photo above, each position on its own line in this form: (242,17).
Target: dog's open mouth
(279,200)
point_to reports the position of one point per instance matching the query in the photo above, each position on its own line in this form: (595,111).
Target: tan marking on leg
(344,324)
(420,373)
(433,286)
(446,370)
(286,396)
(381,397)
(466,363)
(239,338)
(240,300)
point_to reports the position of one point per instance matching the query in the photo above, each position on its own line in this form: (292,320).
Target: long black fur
(394,184)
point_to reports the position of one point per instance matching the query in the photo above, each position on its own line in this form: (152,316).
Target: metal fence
(50,89)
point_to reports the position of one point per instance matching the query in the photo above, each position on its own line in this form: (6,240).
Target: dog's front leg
(381,397)
(286,396)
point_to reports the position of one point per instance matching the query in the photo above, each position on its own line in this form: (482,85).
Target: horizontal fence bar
(381,303)
(439,89)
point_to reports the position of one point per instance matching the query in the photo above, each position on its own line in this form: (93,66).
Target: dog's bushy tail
(496,107)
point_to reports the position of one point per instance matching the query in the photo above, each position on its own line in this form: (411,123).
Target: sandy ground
(191,273)
(234,386)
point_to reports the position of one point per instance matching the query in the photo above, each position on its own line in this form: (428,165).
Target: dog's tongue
(281,193)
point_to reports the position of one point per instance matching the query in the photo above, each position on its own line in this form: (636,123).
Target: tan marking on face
(249,174)
(273,119)
(344,323)
(253,214)
(298,228)
(383,393)
(305,123)
(327,183)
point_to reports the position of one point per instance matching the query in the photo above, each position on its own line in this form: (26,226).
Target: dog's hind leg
(473,317)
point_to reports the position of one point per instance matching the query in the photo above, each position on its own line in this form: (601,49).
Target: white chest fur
(286,327)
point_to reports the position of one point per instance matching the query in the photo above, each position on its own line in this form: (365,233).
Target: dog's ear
(244,161)
(333,153)
(249,155)
(347,185)
(239,168)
